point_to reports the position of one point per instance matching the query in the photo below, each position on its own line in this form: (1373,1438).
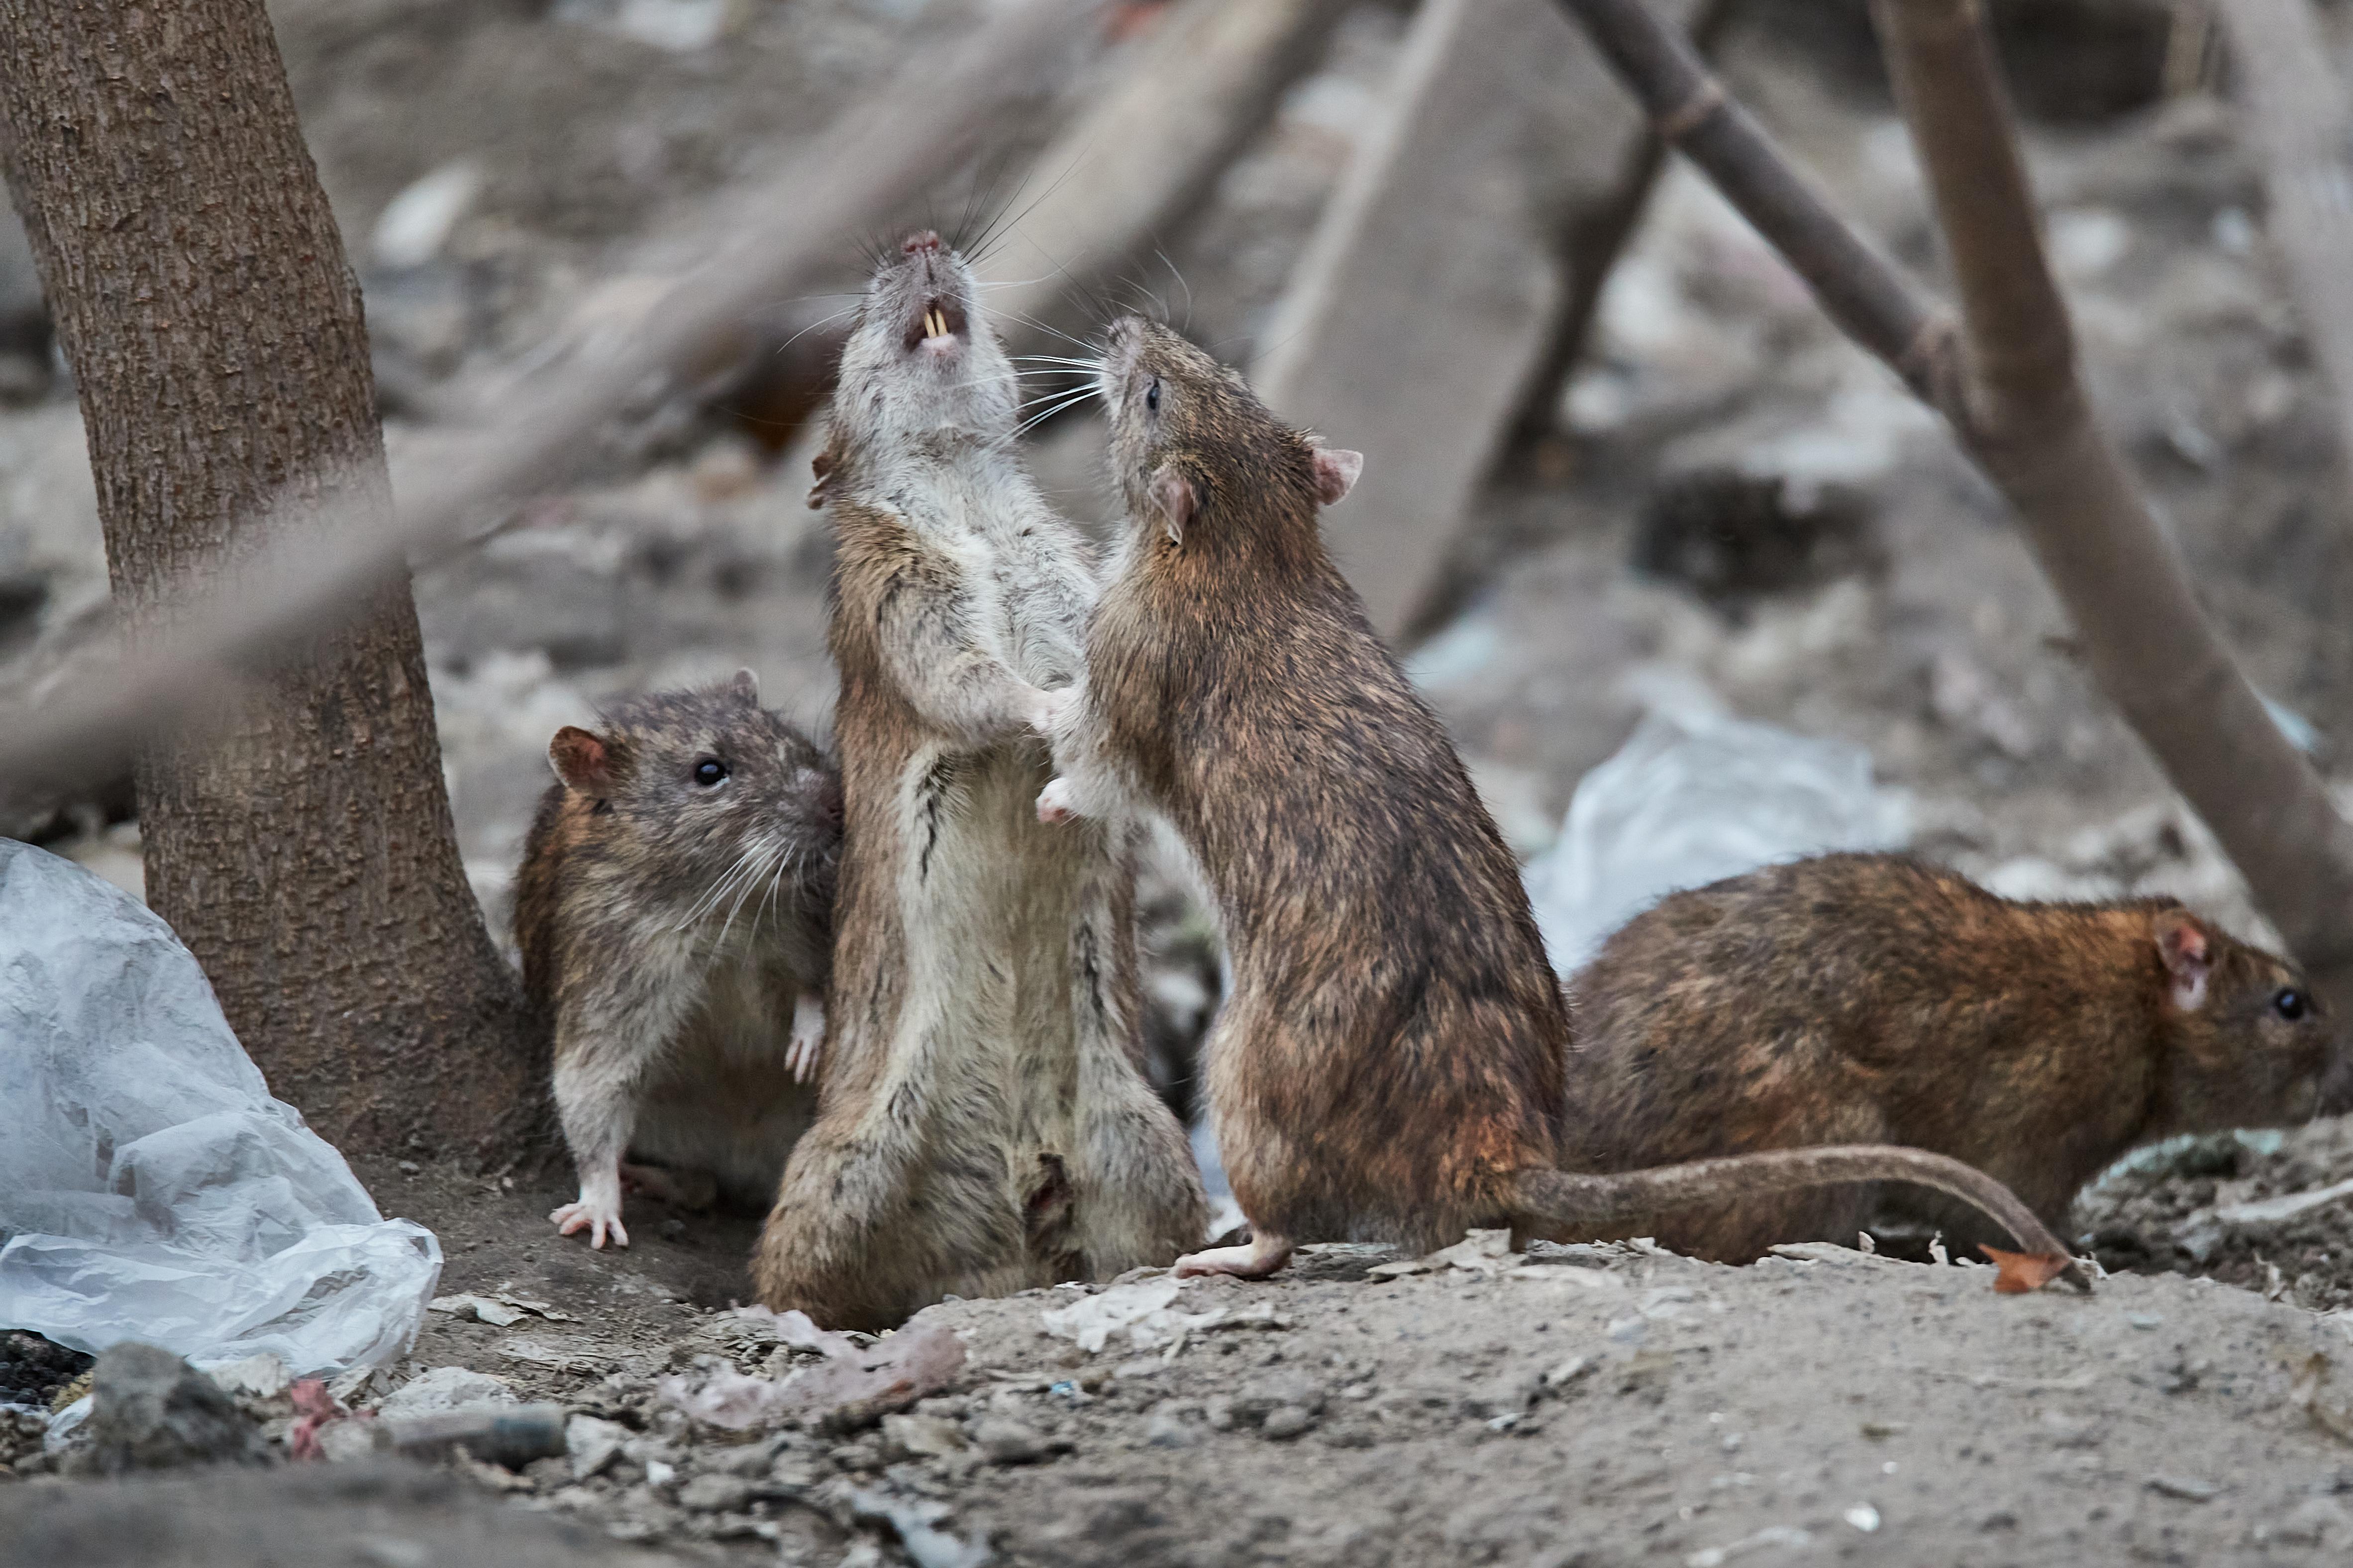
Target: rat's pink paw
(1054,802)
(800,1056)
(598,1219)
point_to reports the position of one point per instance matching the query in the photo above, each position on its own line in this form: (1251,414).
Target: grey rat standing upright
(1877,997)
(674,910)
(987,1125)
(1389,1064)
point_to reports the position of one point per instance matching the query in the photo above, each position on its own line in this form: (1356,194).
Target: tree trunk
(302,846)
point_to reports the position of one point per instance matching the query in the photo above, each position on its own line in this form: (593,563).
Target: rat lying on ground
(986,1124)
(1857,998)
(1390,1063)
(674,910)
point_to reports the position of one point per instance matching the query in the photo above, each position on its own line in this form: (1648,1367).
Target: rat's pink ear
(743,683)
(582,761)
(2189,955)
(1174,494)
(1335,474)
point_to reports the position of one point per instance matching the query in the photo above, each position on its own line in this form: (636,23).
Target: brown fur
(1875,998)
(985,1126)
(668,929)
(1390,1063)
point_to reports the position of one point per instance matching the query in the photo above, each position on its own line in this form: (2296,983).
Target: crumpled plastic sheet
(150,1188)
(1691,798)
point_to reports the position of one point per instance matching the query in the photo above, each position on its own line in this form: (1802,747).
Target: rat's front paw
(597,1216)
(1054,803)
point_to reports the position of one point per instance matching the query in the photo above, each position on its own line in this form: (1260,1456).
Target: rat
(985,1125)
(1390,1063)
(674,913)
(1878,998)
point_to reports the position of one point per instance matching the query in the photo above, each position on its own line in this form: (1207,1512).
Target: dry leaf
(2016,1273)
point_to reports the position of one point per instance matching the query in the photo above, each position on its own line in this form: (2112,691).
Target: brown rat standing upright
(986,1124)
(674,911)
(1876,998)
(1389,1064)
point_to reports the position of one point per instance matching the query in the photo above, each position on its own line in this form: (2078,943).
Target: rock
(1006,1442)
(1287,1421)
(262,1376)
(1166,1427)
(444,1388)
(924,1436)
(716,1494)
(149,1410)
(2315,1521)
(592,1443)
(340,1442)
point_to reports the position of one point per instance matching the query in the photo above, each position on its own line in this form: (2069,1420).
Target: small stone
(1166,1428)
(716,1494)
(2187,1489)
(592,1443)
(1287,1421)
(409,1167)
(924,1436)
(2315,1521)
(341,1442)
(1219,1414)
(659,1473)
(150,1410)
(444,1388)
(1006,1442)
(1863,1517)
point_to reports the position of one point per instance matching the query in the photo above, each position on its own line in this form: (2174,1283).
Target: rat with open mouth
(985,1125)
(1390,1064)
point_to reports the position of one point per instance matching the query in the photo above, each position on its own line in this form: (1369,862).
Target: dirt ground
(1583,1406)
(1857,581)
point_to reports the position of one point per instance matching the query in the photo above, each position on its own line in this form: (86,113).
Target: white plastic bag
(150,1188)
(1691,798)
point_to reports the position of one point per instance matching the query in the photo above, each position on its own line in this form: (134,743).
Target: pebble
(1006,1442)
(716,1494)
(592,1443)
(1287,1421)
(2187,1489)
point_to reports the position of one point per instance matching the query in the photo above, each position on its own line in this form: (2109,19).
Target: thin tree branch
(2014,402)
(764,239)
(2294,109)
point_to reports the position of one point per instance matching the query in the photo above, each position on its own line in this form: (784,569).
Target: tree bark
(302,844)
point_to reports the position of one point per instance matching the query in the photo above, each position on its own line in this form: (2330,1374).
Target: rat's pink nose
(922,239)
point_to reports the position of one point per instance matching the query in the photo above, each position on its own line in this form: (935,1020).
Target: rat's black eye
(2290,1004)
(1152,395)
(710,773)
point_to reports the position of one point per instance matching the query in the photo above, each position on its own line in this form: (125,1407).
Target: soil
(1590,1405)
(1737,505)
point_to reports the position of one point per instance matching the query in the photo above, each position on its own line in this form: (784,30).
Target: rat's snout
(934,297)
(922,240)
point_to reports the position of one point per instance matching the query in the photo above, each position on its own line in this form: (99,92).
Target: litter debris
(1691,798)
(1483,1252)
(916,1524)
(262,1376)
(853,1386)
(501,1309)
(2288,1205)
(1771,1535)
(2187,1490)
(1144,1310)
(444,1388)
(592,1443)
(511,1436)
(150,1188)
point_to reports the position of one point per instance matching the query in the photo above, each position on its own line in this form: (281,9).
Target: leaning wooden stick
(2297,116)
(2006,380)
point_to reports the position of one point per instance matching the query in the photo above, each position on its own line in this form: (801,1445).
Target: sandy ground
(1582,1405)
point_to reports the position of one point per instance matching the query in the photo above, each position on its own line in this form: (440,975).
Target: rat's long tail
(1572,1198)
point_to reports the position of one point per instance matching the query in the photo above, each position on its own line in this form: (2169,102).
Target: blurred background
(1634,470)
